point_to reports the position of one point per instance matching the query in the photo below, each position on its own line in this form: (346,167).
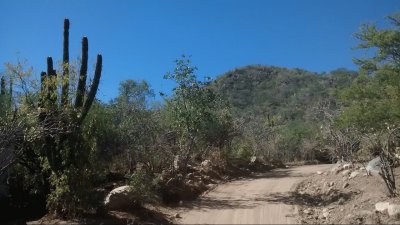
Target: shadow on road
(316,199)
(279,173)
(206,203)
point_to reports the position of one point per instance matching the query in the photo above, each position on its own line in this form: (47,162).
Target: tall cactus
(3,87)
(49,95)
(65,77)
(81,104)
(80,91)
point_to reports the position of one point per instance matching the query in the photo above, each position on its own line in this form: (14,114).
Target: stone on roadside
(325,215)
(381,206)
(119,198)
(353,174)
(394,210)
(346,172)
(307,211)
(347,166)
(319,172)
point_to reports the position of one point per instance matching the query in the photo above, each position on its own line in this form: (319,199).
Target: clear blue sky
(140,39)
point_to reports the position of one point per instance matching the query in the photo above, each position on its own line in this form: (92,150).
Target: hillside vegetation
(280,110)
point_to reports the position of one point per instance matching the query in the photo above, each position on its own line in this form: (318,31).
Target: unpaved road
(261,200)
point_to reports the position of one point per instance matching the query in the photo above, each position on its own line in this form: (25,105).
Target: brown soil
(264,198)
(324,199)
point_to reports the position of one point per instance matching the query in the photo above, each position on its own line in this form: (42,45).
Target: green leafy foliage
(372,101)
(278,109)
(196,113)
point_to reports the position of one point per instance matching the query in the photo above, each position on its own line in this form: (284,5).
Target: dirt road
(260,200)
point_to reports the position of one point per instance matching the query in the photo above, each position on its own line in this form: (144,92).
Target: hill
(279,105)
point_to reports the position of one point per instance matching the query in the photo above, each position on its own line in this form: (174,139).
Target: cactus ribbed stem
(10,92)
(93,87)
(65,77)
(80,91)
(3,86)
(43,88)
(51,83)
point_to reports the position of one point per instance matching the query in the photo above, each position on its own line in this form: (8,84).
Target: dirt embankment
(343,196)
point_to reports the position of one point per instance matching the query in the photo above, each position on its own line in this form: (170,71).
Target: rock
(210,186)
(374,165)
(346,172)
(341,201)
(354,174)
(381,206)
(319,172)
(307,211)
(345,185)
(336,169)
(325,215)
(394,210)
(331,184)
(325,173)
(177,215)
(206,165)
(120,198)
(347,166)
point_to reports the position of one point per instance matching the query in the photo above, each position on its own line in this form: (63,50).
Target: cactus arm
(43,88)
(80,91)
(3,86)
(93,87)
(65,66)
(51,83)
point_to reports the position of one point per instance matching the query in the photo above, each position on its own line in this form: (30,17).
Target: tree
(195,111)
(137,124)
(373,100)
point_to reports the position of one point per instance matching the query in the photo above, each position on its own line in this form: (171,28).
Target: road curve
(264,199)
